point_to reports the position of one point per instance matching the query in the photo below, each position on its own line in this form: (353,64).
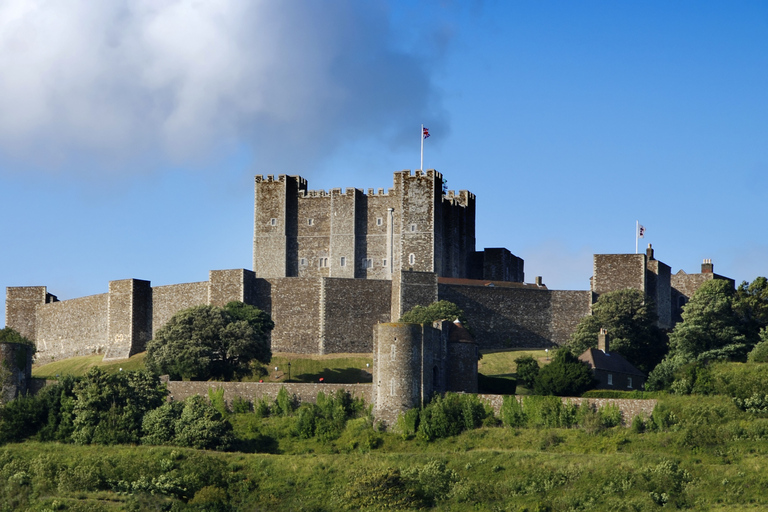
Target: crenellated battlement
(281,178)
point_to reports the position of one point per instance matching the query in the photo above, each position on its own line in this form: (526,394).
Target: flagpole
(637,234)
(421,134)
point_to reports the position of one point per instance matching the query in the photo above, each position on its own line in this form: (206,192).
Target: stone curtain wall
(295,309)
(179,390)
(567,309)
(20,306)
(410,289)
(518,317)
(659,290)
(75,327)
(629,407)
(350,310)
(618,271)
(169,300)
(130,318)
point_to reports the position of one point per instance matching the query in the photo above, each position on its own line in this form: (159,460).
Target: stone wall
(629,407)
(130,318)
(75,327)
(618,271)
(169,300)
(411,289)
(15,370)
(350,308)
(295,309)
(179,390)
(503,317)
(21,305)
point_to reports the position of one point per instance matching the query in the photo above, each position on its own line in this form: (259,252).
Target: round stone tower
(396,370)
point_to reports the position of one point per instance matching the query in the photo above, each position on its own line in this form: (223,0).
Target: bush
(564,376)
(512,412)
(759,354)
(194,423)
(450,415)
(527,370)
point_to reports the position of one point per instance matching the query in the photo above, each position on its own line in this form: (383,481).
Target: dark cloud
(113,83)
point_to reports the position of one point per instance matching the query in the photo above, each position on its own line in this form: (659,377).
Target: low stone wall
(629,407)
(303,392)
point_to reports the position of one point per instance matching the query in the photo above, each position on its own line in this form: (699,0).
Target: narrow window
(384,263)
(411,258)
(413,228)
(392,353)
(343,261)
(323,262)
(392,387)
(273,222)
(303,262)
(610,379)
(310,222)
(629,382)
(367,263)
(379,221)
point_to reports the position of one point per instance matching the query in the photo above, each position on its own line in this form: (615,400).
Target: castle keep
(330,266)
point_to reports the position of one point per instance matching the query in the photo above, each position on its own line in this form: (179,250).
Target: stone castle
(331,266)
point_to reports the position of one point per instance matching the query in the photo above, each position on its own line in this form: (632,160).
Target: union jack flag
(425,132)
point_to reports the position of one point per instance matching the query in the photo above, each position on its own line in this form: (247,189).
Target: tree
(751,304)
(527,370)
(205,342)
(564,376)
(631,324)
(194,423)
(109,408)
(759,354)
(440,310)
(712,329)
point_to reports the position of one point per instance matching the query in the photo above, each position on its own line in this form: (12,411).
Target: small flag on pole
(641,231)
(425,132)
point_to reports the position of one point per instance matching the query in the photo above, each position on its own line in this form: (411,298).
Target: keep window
(273,222)
(322,262)
(411,258)
(379,221)
(367,263)
(343,261)
(310,222)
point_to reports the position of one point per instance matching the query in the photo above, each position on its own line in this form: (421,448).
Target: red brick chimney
(707,267)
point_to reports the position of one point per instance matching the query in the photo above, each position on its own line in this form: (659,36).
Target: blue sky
(130,131)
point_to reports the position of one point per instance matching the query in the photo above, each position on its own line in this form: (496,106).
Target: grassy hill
(334,368)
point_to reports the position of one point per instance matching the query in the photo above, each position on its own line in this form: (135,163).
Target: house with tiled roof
(610,369)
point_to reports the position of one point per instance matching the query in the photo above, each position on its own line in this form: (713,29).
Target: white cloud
(175,80)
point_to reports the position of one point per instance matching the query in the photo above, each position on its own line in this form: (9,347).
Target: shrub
(512,412)
(610,415)
(284,404)
(527,370)
(542,411)
(759,354)
(450,415)
(564,376)
(240,405)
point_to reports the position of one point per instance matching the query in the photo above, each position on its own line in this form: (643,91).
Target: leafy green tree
(751,305)
(440,310)
(207,342)
(527,370)
(193,423)
(109,408)
(631,324)
(711,330)
(759,354)
(564,376)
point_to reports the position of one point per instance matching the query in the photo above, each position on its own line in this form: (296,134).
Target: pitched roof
(608,361)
